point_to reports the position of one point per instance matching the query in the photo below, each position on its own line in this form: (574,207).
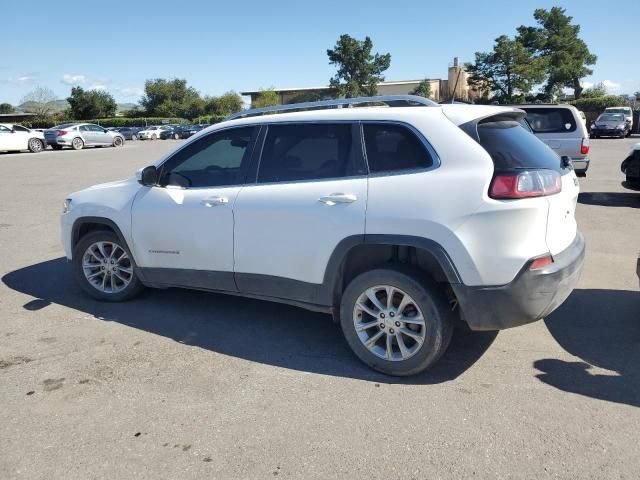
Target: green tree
(266,98)
(226,104)
(6,108)
(171,98)
(556,40)
(597,91)
(86,104)
(40,100)
(510,70)
(359,71)
(423,89)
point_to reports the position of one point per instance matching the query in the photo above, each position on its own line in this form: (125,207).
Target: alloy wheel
(107,267)
(389,323)
(35,145)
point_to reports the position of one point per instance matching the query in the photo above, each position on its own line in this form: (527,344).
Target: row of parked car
(159,132)
(14,137)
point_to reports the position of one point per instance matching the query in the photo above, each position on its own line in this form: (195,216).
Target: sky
(221,46)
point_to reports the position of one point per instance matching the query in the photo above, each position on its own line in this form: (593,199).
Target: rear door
(558,128)
(310,193)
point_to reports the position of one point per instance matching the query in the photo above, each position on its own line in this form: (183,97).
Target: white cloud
(22,80)
(74,79)
(586,85)
(130,91)
(611,86)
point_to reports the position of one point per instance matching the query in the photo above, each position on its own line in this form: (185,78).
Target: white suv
(398,219)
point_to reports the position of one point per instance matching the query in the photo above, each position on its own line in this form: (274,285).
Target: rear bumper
(580,164)
(531,296)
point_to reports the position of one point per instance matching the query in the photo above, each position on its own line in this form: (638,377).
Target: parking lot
(183,384)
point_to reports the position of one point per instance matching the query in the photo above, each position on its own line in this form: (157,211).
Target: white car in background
(16,138)
(151,133)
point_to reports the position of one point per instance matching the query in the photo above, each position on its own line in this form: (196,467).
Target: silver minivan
(562,129)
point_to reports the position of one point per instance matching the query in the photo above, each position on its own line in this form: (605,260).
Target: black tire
(36,145)
(432,301)
(77,145)
(132,290)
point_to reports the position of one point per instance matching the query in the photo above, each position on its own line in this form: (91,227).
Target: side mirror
(148,176)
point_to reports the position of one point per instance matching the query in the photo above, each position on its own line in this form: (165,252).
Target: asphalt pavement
(183,384)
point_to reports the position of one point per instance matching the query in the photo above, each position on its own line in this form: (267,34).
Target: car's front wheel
(104,267)
(396,321)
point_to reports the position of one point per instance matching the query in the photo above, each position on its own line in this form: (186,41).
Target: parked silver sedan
(80,135)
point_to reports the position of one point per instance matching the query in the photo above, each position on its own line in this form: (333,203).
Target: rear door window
(394,147)
(297,152)
(550,120)
(512,147)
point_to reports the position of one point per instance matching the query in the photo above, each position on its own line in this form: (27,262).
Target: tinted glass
(550,120)
(85,128)
(19,128)
(306,152)
(394,147)
(214,160)
(512,147)
(4,129)
(611,117)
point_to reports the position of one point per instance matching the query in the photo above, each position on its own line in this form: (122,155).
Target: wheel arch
(359,253)
(84,225)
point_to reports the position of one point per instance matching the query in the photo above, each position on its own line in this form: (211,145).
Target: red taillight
(541,262)
(59,133)
(584,147)
(527,184)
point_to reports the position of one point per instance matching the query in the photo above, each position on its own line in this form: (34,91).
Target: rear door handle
(336,198)
(214,201)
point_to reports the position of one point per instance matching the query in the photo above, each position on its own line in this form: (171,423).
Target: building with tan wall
(441,89)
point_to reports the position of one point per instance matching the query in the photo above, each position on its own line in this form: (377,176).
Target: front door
(183,228)
(10,140)
(310,193)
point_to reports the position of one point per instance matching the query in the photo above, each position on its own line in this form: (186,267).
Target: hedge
(599,104)
(122,121)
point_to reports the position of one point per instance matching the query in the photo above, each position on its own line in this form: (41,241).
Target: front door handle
(336,198)
(214,201)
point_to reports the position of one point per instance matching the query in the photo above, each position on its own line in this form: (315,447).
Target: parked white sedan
(151,133)
(16,138)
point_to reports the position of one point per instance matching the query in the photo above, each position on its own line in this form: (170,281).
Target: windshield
(611,117)
(617,110)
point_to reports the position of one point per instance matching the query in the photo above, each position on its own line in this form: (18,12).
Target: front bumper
(531,296)
(608,132)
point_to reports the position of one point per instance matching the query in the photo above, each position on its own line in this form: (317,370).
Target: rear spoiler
(471,127)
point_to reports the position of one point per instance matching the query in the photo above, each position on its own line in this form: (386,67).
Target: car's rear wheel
(77,143)
(396,321)
(118,142)
(104,267)
(36,145)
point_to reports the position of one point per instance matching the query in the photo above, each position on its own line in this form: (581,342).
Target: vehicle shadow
(602,328)
(255,330)
(610,199)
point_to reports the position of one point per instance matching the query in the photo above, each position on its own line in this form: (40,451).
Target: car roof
(456,113)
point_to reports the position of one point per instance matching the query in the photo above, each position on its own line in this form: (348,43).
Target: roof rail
(388,100)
